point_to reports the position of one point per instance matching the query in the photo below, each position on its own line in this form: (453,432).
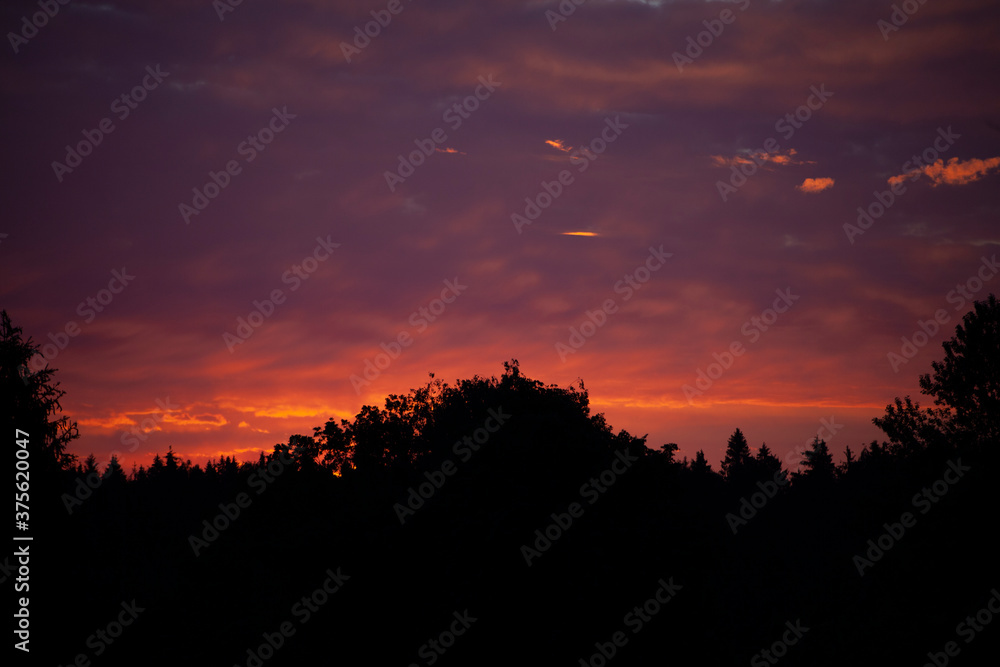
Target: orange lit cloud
(559,144)
(449,150)
(954,172)
(814,185)
(184,419)
(255,430)
(580,234)
(759,157)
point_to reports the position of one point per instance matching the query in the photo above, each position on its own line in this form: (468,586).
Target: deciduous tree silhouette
(965,386)
(334,444)
(966,383)
(669,451)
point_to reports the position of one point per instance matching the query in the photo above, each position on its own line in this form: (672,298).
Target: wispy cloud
(782,158)
(953,172)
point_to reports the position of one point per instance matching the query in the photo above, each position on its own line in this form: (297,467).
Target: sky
(228,223)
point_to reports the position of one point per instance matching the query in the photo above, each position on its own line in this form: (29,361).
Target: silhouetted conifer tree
(736,466)
(700,465)
(31,401)
(817,463)
(766,463)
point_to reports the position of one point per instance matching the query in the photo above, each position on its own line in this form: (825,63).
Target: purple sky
(818,102)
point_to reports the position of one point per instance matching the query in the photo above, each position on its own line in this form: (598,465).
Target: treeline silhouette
(508,500)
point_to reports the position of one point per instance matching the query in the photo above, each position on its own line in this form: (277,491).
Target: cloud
(960,173)
(559,144)
(185,419)
(953,172)
(814,185)
(746,156)
(255,430)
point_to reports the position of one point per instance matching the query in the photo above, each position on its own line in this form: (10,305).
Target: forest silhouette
(500,521)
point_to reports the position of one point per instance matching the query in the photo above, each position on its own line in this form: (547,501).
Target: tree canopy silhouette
(965,386)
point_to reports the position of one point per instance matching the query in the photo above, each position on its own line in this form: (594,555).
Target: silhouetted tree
(157,468)
(114,474)
(845,467)
(304,451)
(31,400)
(89,466)
(817,463)
(911,428)
(965,387)
(669,451)
(766,463)
(737,465)
(171,467)
(700,465)
(334,443)
(966,383)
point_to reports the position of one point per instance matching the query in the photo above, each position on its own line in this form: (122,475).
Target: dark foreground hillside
(498,521)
